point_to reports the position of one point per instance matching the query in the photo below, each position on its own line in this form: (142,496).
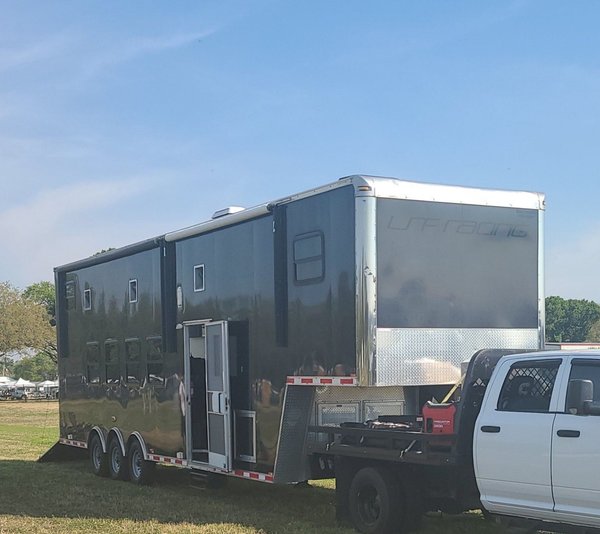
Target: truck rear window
(528,387)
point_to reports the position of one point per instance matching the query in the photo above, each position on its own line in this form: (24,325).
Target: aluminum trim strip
(321,381)
(253,475)
(366,288)
(408,190)
(166,459)
(73,443)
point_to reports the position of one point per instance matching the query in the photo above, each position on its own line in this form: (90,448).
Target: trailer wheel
(375,503)
(117,463)
(141,471)
(98,458)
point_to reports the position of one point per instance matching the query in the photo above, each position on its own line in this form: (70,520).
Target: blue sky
(124,120)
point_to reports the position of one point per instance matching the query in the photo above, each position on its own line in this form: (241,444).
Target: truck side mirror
(580,396)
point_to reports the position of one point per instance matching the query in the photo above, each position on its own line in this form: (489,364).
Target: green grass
(66,497)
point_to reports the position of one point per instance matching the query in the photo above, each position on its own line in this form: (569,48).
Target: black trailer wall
(114,371)
(294,292)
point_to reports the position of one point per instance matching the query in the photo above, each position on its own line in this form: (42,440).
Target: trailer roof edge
(121,252)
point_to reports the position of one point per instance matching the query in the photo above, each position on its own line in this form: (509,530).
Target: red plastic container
(439,418)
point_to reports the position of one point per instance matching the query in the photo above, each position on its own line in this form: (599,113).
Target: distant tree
(36,368)
(570,320)
(103,251)
(43,293)
(593,335)
(23,323)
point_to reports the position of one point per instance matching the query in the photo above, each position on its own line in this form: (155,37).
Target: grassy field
(66,497)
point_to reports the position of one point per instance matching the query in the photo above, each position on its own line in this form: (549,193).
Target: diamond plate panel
(416,357)
(291,463)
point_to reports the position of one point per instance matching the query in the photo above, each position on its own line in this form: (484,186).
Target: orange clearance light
(364,188)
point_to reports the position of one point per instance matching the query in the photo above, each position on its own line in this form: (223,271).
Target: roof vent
(227,211)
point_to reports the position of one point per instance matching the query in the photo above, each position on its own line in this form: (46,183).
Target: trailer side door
(218,395)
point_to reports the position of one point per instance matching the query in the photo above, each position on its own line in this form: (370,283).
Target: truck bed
(402,446)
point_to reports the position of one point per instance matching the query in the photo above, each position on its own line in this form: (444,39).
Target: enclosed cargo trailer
(214,347)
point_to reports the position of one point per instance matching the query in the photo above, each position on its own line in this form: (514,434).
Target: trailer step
(202,480)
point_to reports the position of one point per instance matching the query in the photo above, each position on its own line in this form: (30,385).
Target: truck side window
(589,370)
(528,387)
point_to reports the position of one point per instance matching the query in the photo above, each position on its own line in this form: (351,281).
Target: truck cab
(535,442)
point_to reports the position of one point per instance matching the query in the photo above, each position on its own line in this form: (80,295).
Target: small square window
(87,299)
(133,290)
(199,278)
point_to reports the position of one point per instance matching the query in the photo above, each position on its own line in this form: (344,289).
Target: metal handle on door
(490,429)
(568,433)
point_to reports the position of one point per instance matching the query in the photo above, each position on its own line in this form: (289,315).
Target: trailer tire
(375,502)
(98,458)
(141,471)
(117,463)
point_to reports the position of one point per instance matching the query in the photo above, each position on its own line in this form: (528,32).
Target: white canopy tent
(22,383)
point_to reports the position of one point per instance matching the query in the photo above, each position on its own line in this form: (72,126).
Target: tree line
(26,326)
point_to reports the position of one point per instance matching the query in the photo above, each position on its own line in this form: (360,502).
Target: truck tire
(98,458)
(141,471)
(375,502)
(117,463)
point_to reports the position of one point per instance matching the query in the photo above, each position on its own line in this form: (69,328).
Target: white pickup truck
(523,441)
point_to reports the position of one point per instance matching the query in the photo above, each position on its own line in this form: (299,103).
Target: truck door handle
(568,433)
(490,429)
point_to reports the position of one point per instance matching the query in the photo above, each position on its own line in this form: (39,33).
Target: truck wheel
(141,471)
(98,458)
(375,503)
(117,463)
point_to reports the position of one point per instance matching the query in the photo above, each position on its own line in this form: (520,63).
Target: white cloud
(572,267)
(63,224)
(49,47)
(138,47)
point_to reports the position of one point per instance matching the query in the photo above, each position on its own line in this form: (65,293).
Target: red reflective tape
(326,380)
(306,380)
(254,476)
(290,380)
(346,380)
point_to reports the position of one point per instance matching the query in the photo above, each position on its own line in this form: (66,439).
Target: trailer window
(528,387)
(132,361)
(112,362)
(70,294)
(198,278)
(133,291)
(155,361)
(309,258)
(92,357)
(87,299)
